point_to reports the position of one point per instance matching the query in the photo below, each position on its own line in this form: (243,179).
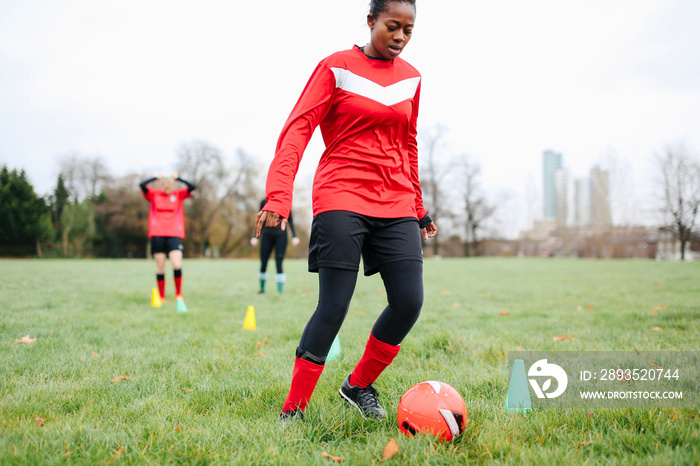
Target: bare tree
(121,217)
(532,198)
(242,202)
(477,209)
(433,174)
(202,164)
(70,168)
(95,175)
(624,202)
(84,176)
(680,188)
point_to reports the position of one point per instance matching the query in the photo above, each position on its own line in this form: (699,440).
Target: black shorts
(165,244)
(339,238)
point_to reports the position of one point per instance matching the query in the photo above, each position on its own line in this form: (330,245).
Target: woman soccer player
(166,226)
(274,238)
(367,200)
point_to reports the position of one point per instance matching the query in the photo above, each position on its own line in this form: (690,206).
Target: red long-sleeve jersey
(367,110)
(166,216)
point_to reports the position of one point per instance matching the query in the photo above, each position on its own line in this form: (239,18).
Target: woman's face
(391,30)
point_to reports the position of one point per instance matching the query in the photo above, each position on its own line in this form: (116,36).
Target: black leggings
(403,281)
(267,243)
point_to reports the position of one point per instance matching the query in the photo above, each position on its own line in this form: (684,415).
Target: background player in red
(274,238)
(166,226)
(367,200)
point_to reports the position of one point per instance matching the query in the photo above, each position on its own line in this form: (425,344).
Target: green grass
(202,390)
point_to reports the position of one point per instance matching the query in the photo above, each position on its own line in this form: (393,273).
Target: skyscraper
(561,211)
(582,202)
(600,198)
(551,163)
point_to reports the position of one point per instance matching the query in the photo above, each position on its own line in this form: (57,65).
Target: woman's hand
(430,231)
(253,241)
(268,219)
(295,241)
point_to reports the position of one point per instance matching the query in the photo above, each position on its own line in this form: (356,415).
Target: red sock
(160,280)
(378,355)
(178,282)
(304,381)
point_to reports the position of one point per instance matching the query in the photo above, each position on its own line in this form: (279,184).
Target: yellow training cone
(249,322)
(155,298)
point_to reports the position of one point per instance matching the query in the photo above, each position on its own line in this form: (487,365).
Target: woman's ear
(370,21)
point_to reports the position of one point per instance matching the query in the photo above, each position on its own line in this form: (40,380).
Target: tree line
(91,213)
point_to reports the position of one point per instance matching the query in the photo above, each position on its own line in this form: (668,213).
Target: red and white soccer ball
(432,407)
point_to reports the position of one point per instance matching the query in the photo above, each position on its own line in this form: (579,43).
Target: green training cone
(518,397)
(334,352)
(181,306)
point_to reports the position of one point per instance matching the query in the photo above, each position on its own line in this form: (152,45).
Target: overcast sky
(131,80)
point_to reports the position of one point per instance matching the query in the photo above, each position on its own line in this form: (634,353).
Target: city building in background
(551,164)
(577,220)
(579,202)
(600,198)
(582,202)
(561,196)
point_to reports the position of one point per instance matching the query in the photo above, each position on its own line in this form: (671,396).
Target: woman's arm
(309,111)
(143,184)
(290,221)
(421,212)
(190,186)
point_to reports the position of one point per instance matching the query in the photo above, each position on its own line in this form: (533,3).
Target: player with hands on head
(166,226)
(367,200)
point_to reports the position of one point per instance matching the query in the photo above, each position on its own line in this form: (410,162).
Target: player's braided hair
(380,6)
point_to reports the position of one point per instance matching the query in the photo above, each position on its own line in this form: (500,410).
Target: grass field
(202,390)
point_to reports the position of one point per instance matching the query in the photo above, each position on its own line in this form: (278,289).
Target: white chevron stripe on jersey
(389,95)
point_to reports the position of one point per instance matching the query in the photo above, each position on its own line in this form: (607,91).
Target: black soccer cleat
(295,414)
(364,399)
